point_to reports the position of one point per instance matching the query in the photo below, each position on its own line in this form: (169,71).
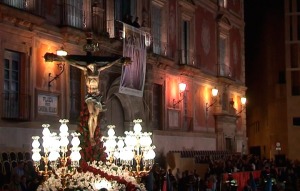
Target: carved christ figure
(92,81)
(93,96)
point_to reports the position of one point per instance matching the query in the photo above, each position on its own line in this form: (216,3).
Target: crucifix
(92,67)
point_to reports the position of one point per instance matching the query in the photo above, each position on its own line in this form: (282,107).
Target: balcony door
(12,63)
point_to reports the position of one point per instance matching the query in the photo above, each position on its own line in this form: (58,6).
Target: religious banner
(133,75)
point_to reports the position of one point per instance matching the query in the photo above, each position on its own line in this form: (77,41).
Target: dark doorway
(255,151)
(280,160)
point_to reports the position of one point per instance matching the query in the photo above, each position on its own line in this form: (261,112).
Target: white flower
(87,180)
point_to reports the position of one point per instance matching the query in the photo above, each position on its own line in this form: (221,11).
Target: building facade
(198,43)
(273,78)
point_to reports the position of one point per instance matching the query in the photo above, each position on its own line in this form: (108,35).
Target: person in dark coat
(252,182)
(136,23)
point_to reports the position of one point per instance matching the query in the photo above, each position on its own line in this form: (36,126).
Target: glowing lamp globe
(64,141)
(111,144)
(182,87)
(137,126)
(120,144)
(46,131)
(75,141)
(111,132)
(61,52)
(63,127)
(127,155)
(243,100)
(36,157)
(53,156)
(35,142)
(75,156)
(214,92)
(151,154)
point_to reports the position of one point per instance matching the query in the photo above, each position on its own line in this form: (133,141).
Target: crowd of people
(130,21)
(23,177)
(272,177)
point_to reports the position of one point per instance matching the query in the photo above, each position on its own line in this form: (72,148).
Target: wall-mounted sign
(173,118)
(47,104)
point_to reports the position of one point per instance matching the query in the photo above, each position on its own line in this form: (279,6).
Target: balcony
(187,57)
(15,106)
(62,14)
(32,6)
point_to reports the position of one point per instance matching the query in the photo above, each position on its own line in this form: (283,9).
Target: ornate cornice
(19,18)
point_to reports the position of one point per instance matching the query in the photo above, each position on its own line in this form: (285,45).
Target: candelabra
(55,148)
(133,150)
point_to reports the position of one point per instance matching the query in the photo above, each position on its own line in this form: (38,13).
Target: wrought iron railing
(161,48)
(16,106)
(187,57)
(33,6)
(73,15)
(65,14)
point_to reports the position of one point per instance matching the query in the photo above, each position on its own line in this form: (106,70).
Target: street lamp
(182,87)
(278,147)
(214,93)
(243,103)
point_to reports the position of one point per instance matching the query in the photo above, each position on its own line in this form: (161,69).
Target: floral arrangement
(114,173)
(93,173)
(94,176)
